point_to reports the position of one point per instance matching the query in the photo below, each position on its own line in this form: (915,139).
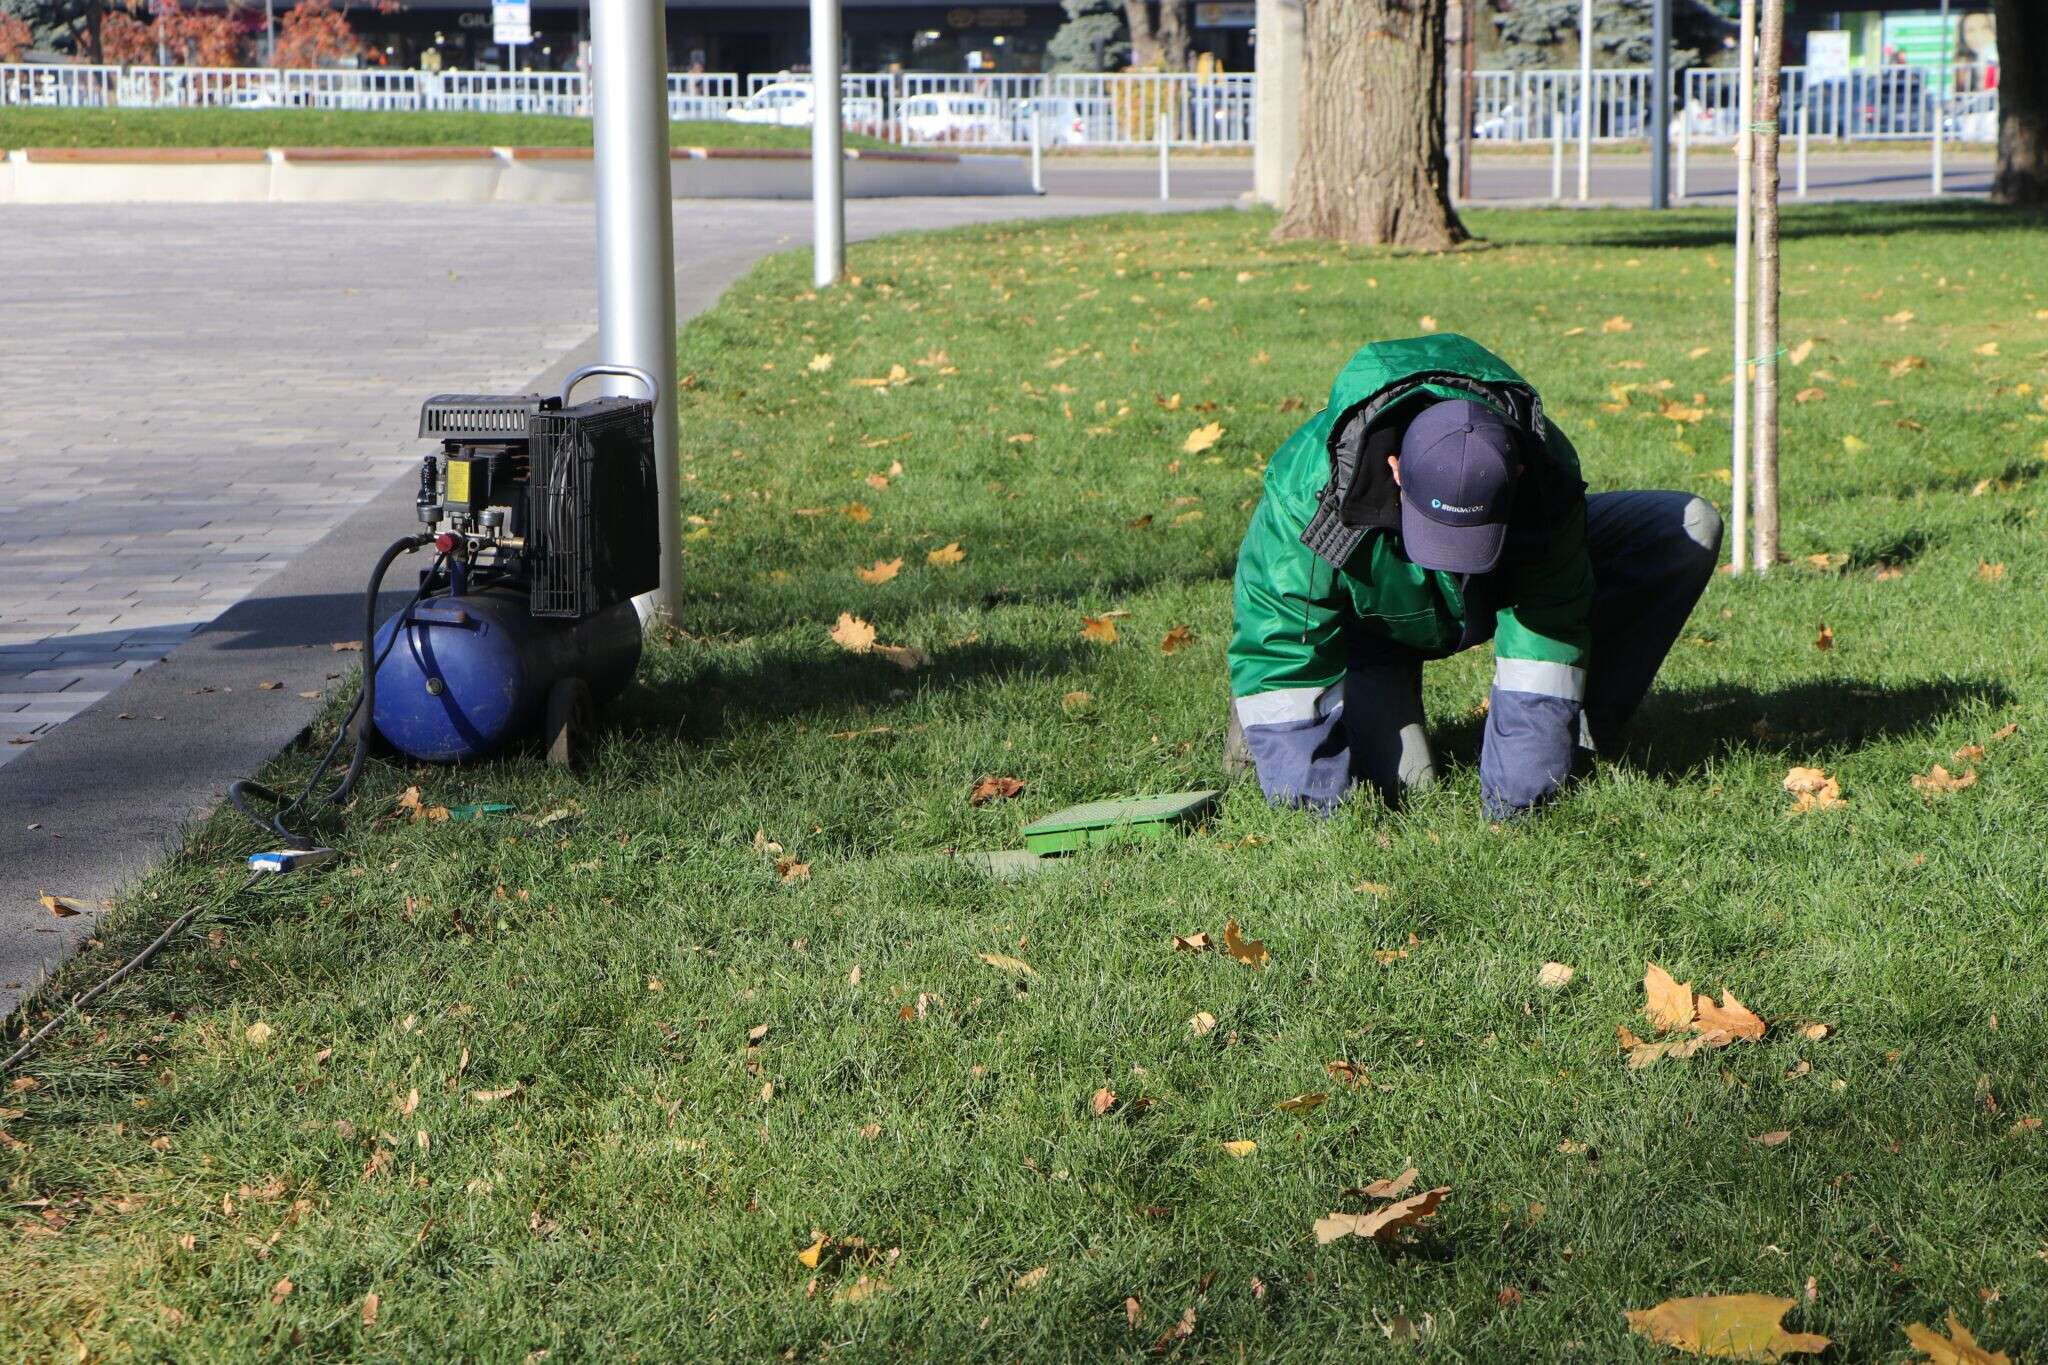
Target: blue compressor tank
(475,671)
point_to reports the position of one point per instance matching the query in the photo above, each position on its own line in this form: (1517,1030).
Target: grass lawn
(23,127)
(303,1103)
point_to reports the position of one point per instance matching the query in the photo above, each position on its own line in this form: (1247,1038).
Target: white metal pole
(1585,99)
(1745,141)
(636,264)
(1805,127)
(1684,134)
(1556,146)
(1948,53)
(1165,175)
(1038,145)
(828,144)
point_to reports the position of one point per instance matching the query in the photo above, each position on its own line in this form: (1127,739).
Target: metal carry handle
(628,371)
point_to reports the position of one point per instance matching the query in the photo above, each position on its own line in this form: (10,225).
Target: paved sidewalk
(224,383)
(185,426)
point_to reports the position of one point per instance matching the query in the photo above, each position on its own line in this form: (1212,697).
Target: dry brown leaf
(1696,352)
(1201,438)
(371,1303)
(1969,753)
(1555,976)
(1382,1223)
(1906,364)
(1241,1147)
(1076,701)
(994,789)
(1901,318)
(1726,1326)
(1617,324)
(1004,963)
(1959,1347)
(909,658)
(820,362)
(1251,952)
(1102,1101)
(1394,1187)
(1825,639)
(1134,1312)
(1201,1022)
(1100,629)
(947,554)
(493,1096)
(1728,1020)
(852,634)
(63,907)
(1988,348)
(1814,1032)
(1345,1073)
(1669,1005)
(1179,638)
(1939,781)
(882,571)
(1426,323)
(856,512)
(1683,413)
(1777,1137)
(1990,573)
(1814,790)
(1302,1103)
(1192,943)
(790,870)
(1800,352)
(257,1033)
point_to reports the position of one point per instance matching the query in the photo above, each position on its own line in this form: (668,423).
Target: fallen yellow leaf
(1959,1347)
(1855,445)
(1100,629)
(1669,1005)
(1814,789)
(1251,952)
(949,553)
(1004,963)
(852,634)
(1555,976)
(1179,638)
(1242,1147)
(1939,781)
(882,571)
(1617,324)
(1201,438)
(1728,1326)
(821,362)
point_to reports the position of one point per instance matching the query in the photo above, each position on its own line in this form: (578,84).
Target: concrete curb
(466,175)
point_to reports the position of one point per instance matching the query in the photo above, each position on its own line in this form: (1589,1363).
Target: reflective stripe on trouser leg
(1389,740)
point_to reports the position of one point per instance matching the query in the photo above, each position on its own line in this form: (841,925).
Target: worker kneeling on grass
(1429,508)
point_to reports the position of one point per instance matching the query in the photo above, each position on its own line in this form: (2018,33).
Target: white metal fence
(1064,111)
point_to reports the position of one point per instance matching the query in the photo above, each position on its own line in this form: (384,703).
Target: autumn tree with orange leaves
(317,33)
(14,37)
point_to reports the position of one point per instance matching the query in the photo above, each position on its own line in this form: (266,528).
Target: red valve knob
(445,543)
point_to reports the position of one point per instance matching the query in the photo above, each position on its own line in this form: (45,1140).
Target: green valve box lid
(1141,817)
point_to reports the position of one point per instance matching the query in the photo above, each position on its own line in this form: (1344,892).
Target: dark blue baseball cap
(1458,467)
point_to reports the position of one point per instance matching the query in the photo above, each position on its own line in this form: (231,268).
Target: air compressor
(543,516)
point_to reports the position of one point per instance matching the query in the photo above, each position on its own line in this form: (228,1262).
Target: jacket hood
(1384,363)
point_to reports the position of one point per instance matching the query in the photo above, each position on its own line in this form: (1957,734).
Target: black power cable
(242,793)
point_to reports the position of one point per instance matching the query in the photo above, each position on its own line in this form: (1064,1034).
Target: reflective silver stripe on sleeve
(1540,679)
(1289,704)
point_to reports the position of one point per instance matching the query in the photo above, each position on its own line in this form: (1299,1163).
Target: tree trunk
(2022,103)
(1144,42)
(95,50)
(1372,168)
(1175,41)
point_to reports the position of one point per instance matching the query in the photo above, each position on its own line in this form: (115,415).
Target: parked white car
(788,105)
(949,118)
(1067,121)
